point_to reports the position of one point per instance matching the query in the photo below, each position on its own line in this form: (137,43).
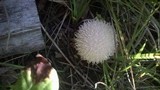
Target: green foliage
(136,63)
(79,8)
(26,82)
(135,66)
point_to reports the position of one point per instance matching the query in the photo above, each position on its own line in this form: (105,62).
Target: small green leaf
(39,76)
(24,82)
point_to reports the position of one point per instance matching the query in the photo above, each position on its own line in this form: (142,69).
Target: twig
(65,56)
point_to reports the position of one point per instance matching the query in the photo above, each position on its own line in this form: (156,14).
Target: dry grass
(135,26)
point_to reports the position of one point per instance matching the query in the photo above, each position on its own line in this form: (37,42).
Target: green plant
(135,61)
(38,76)
(79,8)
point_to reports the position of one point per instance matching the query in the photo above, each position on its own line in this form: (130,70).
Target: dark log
(20,28)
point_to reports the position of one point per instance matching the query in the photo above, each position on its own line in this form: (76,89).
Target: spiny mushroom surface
(95,41)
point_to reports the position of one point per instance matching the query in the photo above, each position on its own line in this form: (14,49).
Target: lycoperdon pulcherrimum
(95,40)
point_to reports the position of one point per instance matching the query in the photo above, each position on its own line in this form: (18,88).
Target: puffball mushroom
(95,41)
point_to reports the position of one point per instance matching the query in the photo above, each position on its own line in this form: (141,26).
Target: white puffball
(95,41)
